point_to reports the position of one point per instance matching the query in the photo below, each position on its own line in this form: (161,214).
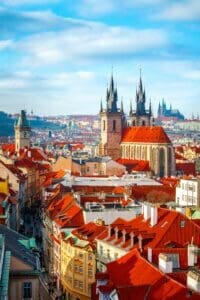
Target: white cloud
(91,8)
(192,74)
(5,44)
(184,10)
(87,42)
(94,7)
(27,2)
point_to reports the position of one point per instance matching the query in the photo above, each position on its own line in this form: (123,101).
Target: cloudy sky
(56,56)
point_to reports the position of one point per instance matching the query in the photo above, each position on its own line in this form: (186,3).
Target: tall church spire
(112,96)
(140,98)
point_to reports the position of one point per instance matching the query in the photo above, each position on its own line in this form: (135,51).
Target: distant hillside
(7,125)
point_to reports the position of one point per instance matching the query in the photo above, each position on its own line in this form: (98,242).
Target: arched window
(162,162)
(114,125)
(104,125)
(143,123)
(133,123)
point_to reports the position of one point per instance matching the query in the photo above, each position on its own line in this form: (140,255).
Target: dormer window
(182,223)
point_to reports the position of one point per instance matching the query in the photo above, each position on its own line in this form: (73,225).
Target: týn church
(138,139)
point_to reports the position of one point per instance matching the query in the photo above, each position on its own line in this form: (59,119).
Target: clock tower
(22,132)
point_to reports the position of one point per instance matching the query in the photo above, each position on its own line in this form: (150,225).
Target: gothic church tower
(22,132)
(112,120)
(141,116)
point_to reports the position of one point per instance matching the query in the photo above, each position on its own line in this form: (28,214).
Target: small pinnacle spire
(131,108)
(122,106)
(101,106)
(140,84)
(150,108)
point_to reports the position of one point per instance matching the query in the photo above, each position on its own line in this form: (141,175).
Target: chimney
(147,211)
(192,255)
(149,254)
(154,215)
(123,236)
(116,233)
(165,263)
(193,280)
(132,239)
(140,242)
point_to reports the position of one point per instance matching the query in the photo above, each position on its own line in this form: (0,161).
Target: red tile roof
(8,148)
(25,163)
(51,177)
(168,228)
(35,154)
(145,134)
(155,194)
(65,212)
(187,168)
(128,277)
(89,231)
(135,165)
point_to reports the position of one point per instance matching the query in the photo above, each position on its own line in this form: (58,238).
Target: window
(182,223)
(90,272)
(101,250)
(76,268)
(27,290)
(114,125)
(80,285)
(76,283)
(90,256)
(104,125)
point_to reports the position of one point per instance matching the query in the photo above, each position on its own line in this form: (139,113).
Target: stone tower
(141,116)
(22,132)
(112,120)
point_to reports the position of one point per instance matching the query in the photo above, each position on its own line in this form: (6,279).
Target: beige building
(105,166)
(78,261)
(24,276)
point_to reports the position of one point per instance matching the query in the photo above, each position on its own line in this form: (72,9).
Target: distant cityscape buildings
(86,209)
(170,113)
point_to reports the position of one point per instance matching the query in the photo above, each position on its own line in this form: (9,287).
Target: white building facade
(188,192)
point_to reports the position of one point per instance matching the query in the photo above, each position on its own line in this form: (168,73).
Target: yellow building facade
(78,267)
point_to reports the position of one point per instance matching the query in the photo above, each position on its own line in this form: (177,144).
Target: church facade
(136,141)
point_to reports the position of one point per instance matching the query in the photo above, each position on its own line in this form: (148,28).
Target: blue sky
(56,56)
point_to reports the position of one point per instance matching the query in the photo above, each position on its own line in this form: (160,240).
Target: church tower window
(104,125)
(114,125)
